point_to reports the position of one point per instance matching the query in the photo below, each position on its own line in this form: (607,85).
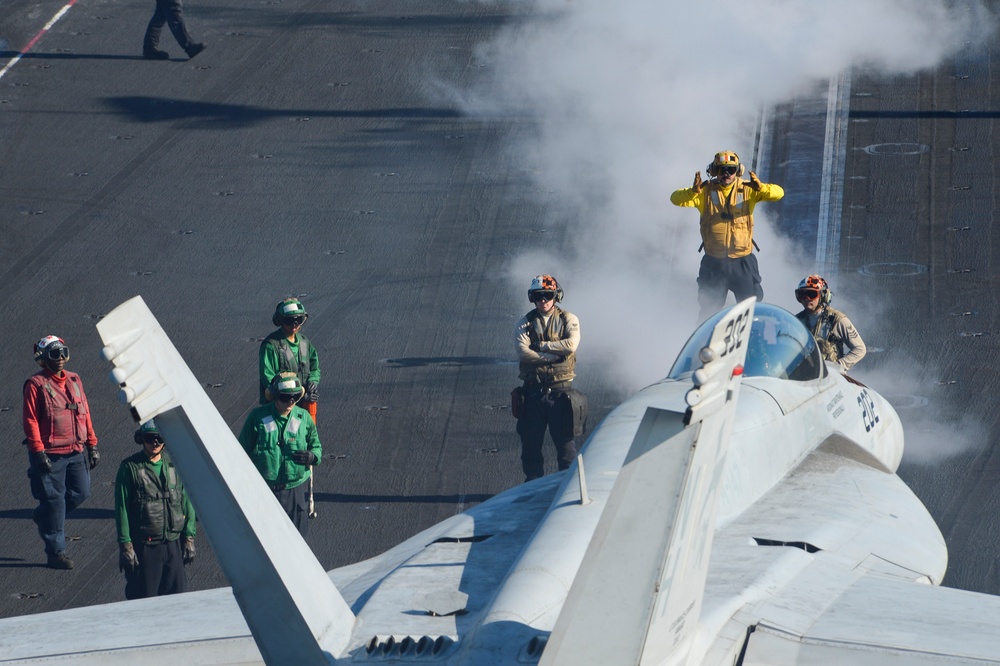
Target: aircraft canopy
(780,347)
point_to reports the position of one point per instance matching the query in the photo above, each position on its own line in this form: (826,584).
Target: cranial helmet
(147,428)
(50,347)
(545,283)
(285,383)
(289,307)
(817,283)
(726,158)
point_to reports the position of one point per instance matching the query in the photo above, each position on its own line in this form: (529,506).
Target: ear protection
(137,436)
(540,283)
(278,315)
(712,168)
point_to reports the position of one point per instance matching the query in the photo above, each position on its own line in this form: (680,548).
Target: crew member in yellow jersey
(726,204)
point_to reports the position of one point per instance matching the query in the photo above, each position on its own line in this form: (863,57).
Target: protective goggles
(806,294)
(152,438)
(288,397)
(294,321)
(57,353)
(726,170)
(542,296)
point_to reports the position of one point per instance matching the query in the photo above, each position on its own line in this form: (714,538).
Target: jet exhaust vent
(808,547)
(396,647)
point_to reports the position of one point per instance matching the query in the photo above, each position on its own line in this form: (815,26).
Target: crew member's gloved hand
(697,185)
(304,457)
(95,457)
(127,561)
(187,548)
(755,183)
(312,391)
(41,462)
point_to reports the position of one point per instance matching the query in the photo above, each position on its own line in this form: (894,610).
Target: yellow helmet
(726,158)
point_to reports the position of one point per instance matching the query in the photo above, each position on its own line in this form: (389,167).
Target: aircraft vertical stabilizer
(295,613)
(637,596)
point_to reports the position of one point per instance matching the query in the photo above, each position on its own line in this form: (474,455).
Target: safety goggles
(57,353)
(726,170)
(294,321)
(806,294)
(152,439)
(542,296)
(287,397)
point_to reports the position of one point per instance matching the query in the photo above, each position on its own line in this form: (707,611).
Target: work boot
(194,49)
(155,54)
(59,561)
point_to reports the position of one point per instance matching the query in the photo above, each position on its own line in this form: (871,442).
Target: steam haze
(629,99)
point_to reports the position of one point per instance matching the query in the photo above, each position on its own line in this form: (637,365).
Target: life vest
(830,346)
(726,222)
(287,362)
(539,331)
(274,443)
(159,507)
(63,427)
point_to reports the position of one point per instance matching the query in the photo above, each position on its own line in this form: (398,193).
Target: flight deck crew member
(726,204)
(57,430)
(154,518)
(282,441)
(171,13)
(287,350)
(546,340)
(833,331)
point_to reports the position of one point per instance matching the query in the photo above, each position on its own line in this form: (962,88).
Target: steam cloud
(631,97)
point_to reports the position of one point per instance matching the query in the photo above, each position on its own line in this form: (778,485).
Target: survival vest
(726,223)
(63,425)
(274,443)
(286,358)
(557,328)
(157,503)
(830,346)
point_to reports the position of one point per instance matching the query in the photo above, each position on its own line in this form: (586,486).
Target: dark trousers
(171,13)
(545,410)
(160,572)
(293,501)
(719,276)
(59,492)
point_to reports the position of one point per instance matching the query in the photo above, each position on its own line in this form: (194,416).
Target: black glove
(187,547)
(312,391)
(127,561)
(41,462)
(95,457)
(304,457)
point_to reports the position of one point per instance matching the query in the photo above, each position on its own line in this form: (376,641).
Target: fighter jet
(744,510)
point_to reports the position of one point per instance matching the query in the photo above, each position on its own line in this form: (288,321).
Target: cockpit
(779,347)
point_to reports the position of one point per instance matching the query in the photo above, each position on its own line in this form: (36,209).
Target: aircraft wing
(880,621)
(833,566)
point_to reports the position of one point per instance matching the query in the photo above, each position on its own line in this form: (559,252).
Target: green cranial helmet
(289,308)
(147,431)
